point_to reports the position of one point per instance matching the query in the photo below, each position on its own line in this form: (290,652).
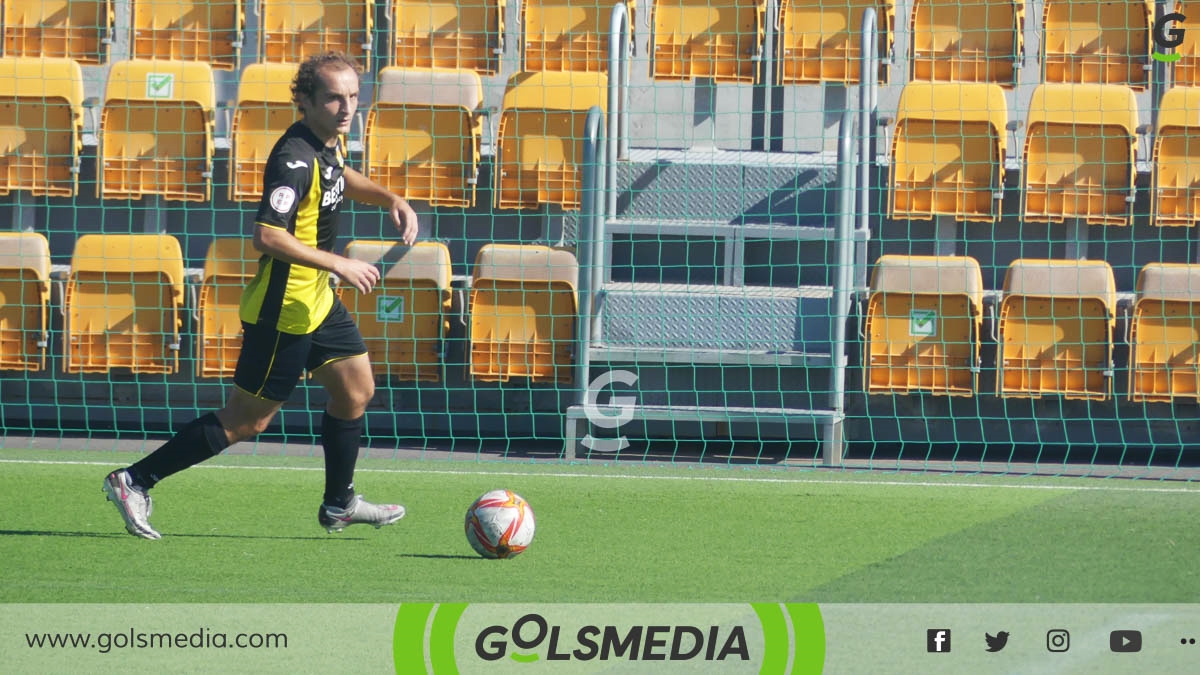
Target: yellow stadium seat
(465,34)
(124,304)
(423,134)
(1056,329)
(567,35)
(230,264)
(72,29)
(1080,145)
(718,39)
(156,131)
(820,40)
(923,325)
(948,152)
(523,311)
(540,142)
(404,318)
(1165,334)
(967,41)
(24,300)
(293,30)
(188,30)
(1175,197)
(1096,41)
(264,111)
(41,125)
(1187,68)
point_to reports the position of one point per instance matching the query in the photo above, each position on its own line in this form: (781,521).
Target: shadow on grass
(440,556)
(115,535)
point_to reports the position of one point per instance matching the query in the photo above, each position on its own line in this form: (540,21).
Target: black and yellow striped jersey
(302,193)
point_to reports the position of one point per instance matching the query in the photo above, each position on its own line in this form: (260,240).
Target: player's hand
(405,219)
(358,273)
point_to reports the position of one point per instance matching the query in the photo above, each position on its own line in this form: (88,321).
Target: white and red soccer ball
(500,524)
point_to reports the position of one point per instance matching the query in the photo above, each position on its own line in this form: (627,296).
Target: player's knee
(367,393)
(354,402)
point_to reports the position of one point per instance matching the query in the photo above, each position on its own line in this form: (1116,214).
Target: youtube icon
(1125,641)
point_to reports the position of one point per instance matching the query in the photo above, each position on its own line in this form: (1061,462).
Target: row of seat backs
(522,308)
(950,144)
(924,319)
(187,30)
(125,295)
(156,128)
(1087,41)
(423,131)
(123,301)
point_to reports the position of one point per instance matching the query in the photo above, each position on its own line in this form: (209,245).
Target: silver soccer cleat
(134,504)
(360,510)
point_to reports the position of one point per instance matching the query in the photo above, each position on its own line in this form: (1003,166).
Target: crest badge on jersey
(282,199)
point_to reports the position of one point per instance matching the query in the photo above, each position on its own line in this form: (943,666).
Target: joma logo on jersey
(334,196)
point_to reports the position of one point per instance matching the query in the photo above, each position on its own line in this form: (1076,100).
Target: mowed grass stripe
(1076,548)
(663,473)
(252,536)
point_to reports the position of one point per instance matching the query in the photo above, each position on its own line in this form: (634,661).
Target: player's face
(332,106)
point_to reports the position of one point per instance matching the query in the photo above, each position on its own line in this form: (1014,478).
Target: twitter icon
(996,642)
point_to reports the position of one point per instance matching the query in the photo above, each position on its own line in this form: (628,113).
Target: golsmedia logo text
(532,638)
(1168,38)
(766,638)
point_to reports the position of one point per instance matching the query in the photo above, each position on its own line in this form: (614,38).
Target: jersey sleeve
(288,179)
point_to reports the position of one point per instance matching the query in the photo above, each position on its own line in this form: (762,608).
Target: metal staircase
(757,333)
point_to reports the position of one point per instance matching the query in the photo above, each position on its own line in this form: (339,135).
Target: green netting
(977,259)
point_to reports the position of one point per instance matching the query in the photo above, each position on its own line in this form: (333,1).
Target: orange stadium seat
(24,300)
(948,152)
(188,30)
(230,264)
(522,314)
(1056,329)
(423,134)
(540,142)
(1165,334)
(923,324)
(1097,41)
(124,304)
(820,40)
(967,41)
(156,131)
(404,318)
(264,111)
(41,125)
(1187,68)
(1175,196)
(449,34)
(718,39)
(294,30)
(71,29)
(567,35)
(1080,147)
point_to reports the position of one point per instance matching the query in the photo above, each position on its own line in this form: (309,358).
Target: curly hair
(304,85)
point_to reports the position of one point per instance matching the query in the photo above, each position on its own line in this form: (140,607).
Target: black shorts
(271,362)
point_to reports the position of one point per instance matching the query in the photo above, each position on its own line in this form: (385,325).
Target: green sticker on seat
(922,323)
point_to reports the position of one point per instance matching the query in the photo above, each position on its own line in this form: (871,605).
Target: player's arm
(363,189)
(286,179)
(284,246)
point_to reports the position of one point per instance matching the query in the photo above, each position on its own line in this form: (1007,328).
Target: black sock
(198,440)
(340,439)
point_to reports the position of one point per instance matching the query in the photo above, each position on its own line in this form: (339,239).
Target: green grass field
(243,529)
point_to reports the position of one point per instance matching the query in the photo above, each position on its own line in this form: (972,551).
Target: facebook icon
(937,640)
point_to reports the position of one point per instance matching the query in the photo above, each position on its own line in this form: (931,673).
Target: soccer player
(291,319)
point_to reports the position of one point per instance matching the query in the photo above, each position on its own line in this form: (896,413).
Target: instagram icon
(1058,640)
